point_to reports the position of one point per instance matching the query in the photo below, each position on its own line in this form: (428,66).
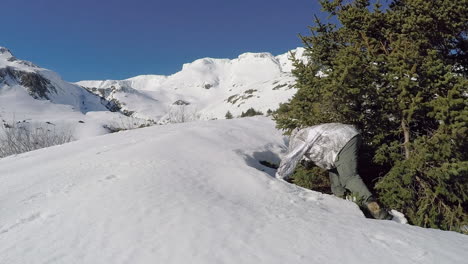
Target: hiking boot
(378,212)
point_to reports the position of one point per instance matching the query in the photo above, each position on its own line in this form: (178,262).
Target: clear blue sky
(104,39)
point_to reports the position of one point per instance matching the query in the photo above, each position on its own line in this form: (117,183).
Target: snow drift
(190,193)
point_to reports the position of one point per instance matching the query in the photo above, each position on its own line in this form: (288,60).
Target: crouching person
(334,147)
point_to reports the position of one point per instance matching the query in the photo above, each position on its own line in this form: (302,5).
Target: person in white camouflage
(334,147)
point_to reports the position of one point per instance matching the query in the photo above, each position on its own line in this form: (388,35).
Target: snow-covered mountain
(43,84)
(191,193)
(204,89)
(208,87)
(29,93)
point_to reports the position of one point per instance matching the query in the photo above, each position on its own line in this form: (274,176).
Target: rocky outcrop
(181,102)
(37,86)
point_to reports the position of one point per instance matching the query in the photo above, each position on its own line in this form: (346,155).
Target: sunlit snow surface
(190,193)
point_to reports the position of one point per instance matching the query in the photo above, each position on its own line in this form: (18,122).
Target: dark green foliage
(233,98)
(251,112)
(400,75)
(311,177)
(307,175)
(228,115)
(250,91)
(277,87)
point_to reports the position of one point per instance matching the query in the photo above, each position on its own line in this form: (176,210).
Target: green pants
(345,176)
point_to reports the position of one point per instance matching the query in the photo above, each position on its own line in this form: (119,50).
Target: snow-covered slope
(190,193)
(30,93)
(208,86)
(41,83)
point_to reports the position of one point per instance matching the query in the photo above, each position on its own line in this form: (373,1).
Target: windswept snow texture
(190,193)
(210,86)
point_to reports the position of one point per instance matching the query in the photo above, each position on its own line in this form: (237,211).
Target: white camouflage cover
(320,144)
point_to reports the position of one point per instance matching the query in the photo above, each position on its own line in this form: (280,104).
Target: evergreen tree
(228,115)
(400,75)
(251,112)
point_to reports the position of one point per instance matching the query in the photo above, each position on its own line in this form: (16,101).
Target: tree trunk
(406,134)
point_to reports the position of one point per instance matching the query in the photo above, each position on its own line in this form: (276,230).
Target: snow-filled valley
(190,193)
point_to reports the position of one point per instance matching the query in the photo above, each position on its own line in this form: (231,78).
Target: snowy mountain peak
(5,53)
(260,55)
(25,80)
(8,60)
(245,59)
(204,61)
(202,64)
